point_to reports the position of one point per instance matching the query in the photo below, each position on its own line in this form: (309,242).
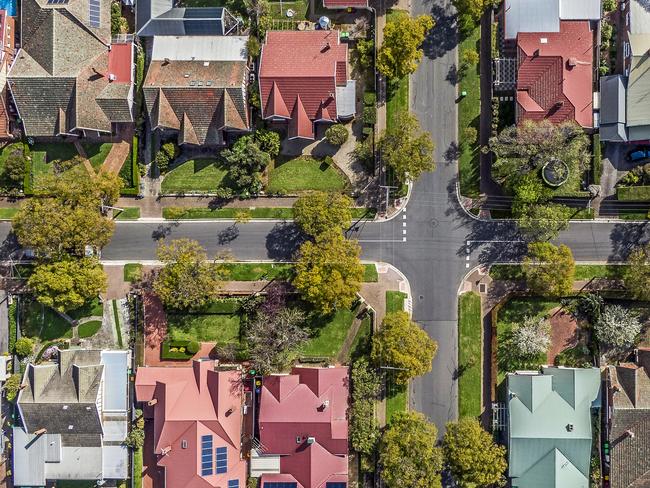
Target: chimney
(616,388)
(166,450)
(311,440)
(572,62)
(151,403)
(569,427)
(112,77)
(166,61)
(629,433)
(326,404)
(40,432)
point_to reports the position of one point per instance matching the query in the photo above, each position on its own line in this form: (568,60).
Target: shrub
(469,57)
(135,439)
(369,115)
(192,348)
(337,134)
(24,347)
(609,5)
(617,328)
(171,150)
(268,141)
(470,135)
(253,46)
(369,99)
(12,386)
(171,350)
(162,161)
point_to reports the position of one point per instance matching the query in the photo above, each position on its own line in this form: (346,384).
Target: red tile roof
(312,72)
(192,402)
(120,62)
(345,3)
(310,402)
(555,76)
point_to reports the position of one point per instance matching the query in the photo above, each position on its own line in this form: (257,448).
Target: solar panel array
(221,458)
(93,5)
(206,455)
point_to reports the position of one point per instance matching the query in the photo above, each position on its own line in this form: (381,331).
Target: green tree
(337,134)
(402,344)
(617,328)
(400,53)
(408,455)
(541,222)
(246,161)
(637,274)
(329,272)
(319,212)
(364,430)
(268,141)
(24,347)
(14,169)
(68,284)
(366,52)
(473,457)
(12,386)
(188,280)
(135,438)
(549,269)
(407,149)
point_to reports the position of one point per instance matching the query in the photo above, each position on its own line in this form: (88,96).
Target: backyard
(195,175)
(303,174)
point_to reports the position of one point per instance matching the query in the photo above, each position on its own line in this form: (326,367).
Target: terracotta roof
(300,126)
(555,74)
(311,72)
(345,3)
(308,403)
(120,62)
(193,402)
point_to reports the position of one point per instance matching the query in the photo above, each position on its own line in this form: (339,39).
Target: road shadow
(443,37)
(9,246)
(163,231)
(627,237)
(283,241)
(227,235)
(496,242)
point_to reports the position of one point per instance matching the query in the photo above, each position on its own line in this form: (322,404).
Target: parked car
(638,155)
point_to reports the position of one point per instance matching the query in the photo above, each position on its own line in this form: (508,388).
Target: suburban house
(67,77)
(628,422)
(549,426)
(625,110)
(73,419)
(7,34)
(195,88)
(303,430)
(162,18)
(195,417)
(306,86)
(548,62)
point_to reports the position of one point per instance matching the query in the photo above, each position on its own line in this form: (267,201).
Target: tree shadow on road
(625,238)
(443,37)
(283,241)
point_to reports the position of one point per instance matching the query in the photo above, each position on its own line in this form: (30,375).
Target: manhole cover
(434,222)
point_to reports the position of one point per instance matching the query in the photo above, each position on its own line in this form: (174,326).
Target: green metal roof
(550,426)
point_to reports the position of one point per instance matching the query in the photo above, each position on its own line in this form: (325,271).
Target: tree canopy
(68,284)
(637,274)
(408,455)
(407,149)
(364,430)
(473,457)
(329,272)
(549,269)
(530,338)
(319,212)
(401,343)
(187,280)
(617,328)
(400,52)
(246,161)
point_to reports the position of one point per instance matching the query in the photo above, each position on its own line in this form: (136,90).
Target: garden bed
(178,349)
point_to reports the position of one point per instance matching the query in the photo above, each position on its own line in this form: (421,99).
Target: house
(162,18)
(625,111)
(303,430)
(628,422)
(197,423)
(549,426)
(7,33)
(345,4)
(548,59)
(67,77)
(304,87)
(73,419)
(195,88)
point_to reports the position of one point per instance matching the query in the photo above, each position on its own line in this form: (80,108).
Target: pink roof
(555,74)
(345,3)
(120,62)
(311,72)
(192,402)
(310,402)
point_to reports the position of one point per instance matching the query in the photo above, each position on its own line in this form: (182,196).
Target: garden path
(116,157)
(564,333)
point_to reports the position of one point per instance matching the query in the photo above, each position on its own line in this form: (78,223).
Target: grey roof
(545,15)
(638,88)
(640,16)
(612,108)
(345,99)
(200,48)
(160,17)
(116,380)
(550,426)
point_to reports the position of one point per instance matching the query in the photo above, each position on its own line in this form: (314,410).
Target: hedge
(597,159)
(12,326)
(135,171)
(633,193)
(189,346)
(28,180)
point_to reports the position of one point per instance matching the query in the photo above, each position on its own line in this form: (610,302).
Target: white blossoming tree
(531,338)
(617,328)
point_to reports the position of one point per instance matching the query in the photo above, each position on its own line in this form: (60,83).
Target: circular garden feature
(555,172)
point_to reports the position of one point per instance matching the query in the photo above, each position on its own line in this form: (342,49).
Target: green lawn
(305,173)
(327,334)
(97,153)
(257,271)
(395,301)
(43,154)
(469,355)
(137,468)
(220,328)
(195,175)
(89,329)
(7,213)
(583,271)
(129,213)
(370,274)
(132,272)
(43,323)
(92,308)
(361,344)
(398,102)
(469,109)
(278,10)
(396,398)
(286,213)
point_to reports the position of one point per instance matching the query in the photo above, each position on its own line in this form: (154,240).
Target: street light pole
(388,188)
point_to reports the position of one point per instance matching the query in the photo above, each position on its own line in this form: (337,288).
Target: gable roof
(308,403)
(554,74)
(312,74)
(192,402)
(160,17)
(336,4)
(549,416)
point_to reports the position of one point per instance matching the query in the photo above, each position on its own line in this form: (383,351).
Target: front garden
(305,173)
(196,176)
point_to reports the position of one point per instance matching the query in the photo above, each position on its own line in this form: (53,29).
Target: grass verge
(469,355)
(179,213)
(395,301)
(132,272)
(137,468)
(583,271)
(8,213)
(129,213)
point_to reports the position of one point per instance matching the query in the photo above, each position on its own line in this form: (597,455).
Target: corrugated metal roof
(345,96)
(531,16)
(638,90)
(640,16)
(28,458)
(115,380)
(580,9)
(612,100)
(200,48)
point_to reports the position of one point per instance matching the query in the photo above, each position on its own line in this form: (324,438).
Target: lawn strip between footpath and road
(8,213)
(584,272)
(469,111)
(232,213)
(469,355)
(396,395)
(129,213)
